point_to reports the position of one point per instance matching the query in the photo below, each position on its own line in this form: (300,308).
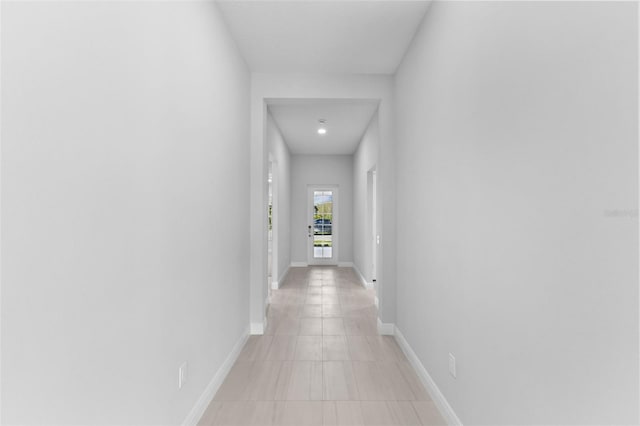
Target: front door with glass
(322,226)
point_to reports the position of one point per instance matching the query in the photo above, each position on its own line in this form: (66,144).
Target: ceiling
(346,122)
(323,36)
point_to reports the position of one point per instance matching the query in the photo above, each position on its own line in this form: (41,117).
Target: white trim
(363,280)
(299,264)
(205,399)
(345,264)
(275,285)
(386,328)
(376,302)
(275,213)
(284,274)
(436,395)
(256,328)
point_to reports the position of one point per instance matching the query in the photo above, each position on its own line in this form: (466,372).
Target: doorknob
(309,231)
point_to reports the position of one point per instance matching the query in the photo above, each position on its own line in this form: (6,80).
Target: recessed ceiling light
(322,130)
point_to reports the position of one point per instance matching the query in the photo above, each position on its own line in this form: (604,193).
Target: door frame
(272,236)
(372,222)
(335,224)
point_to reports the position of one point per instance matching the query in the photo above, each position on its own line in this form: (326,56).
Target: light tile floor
(321,362)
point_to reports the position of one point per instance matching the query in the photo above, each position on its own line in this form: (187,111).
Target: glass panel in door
(322,224)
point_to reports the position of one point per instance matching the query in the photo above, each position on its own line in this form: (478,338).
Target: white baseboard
(275,285)
(284,274)
(299,264)
(362,278)
(386,329)
(441,402)
(345,264)
(256,328)
(205,399)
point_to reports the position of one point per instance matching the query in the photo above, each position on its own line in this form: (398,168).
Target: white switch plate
(182,375)
(452,365)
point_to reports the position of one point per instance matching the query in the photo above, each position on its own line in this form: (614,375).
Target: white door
(322,226)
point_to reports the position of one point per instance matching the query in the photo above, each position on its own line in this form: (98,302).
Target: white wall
(279,151)
(124,208)
(517,209)
(318,86)
(321,170)
(364,159)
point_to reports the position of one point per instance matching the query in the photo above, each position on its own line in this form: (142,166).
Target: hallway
(475,163)
(322,362)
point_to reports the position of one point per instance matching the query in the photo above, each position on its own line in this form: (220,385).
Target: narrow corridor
(322,362)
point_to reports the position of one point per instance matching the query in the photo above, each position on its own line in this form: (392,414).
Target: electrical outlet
(452,365)
(182,375)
